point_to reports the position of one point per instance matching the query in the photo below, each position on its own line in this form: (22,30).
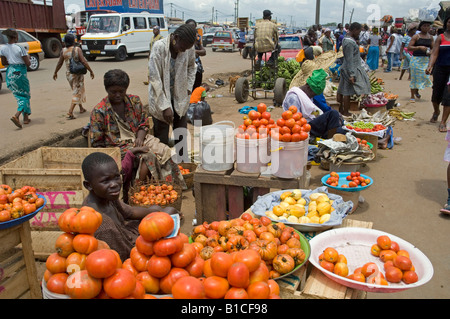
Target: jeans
(390,56)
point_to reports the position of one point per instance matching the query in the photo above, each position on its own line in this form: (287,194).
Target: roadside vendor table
(18,274)
(212,191)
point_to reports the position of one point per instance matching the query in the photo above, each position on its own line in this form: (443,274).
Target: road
(410,180)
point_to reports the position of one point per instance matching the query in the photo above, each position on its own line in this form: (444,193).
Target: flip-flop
(16,121)
(442,128)
(445,210)
(82,111)
(27,122)
(70,117)
(434,118)
(412,100)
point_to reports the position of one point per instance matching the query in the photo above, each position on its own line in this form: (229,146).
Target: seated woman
(323,125)
(120,120)
(120,225)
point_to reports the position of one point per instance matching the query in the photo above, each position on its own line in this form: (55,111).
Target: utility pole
(351,15)
(343,13)
(317,12)
(212,17)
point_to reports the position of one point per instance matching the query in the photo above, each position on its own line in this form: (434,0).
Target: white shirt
(13,53)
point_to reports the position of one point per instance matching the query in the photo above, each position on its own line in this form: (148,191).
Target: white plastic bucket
(251,155)
(47,294)
(217,146)
(288,158)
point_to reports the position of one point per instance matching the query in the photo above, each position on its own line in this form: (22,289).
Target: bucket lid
(217,132)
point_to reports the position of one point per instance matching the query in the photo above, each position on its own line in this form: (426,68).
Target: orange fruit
(342,259)
(327,265)
(384,242)
(375,250)
(402,252)
(387,254)
(402,262)
(369,269)
(394,246)
(410,277)
(330,254)
(341,269)
(393,274)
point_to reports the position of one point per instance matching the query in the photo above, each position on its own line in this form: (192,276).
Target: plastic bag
(199,113)
(430,12)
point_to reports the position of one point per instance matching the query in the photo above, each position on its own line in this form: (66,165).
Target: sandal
(27,121)
(70,117)
(16,121)
(82,111)
(412,100)
(442,128)
(446,209)
(434,118)
(418,95)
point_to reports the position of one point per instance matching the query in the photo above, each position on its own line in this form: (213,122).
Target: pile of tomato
(291,127)
(355,179)
(184,171)
(397,265)
(161,195)
(18,203)
(375,128)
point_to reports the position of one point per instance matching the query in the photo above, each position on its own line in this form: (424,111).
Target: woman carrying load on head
(16,59)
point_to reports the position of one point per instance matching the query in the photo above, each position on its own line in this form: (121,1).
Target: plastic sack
(199,113)
(430,12)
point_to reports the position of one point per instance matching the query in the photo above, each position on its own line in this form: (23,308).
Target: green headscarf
(317,81)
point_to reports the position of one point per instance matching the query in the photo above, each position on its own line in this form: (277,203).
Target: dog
(233,80)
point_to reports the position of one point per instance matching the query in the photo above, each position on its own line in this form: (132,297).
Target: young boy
(120,224)
(199,94)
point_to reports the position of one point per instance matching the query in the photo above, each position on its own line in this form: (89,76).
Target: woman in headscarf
(16,59)
(354,79)
(172,76)
(76,81)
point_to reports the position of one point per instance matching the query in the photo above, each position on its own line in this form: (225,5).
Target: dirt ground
(409,180)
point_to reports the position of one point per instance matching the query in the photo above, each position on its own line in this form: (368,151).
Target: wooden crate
(310,283)
(18,275)
(56,173)
(214,190)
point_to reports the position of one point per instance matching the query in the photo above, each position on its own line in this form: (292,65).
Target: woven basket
(189,178)
(136,188)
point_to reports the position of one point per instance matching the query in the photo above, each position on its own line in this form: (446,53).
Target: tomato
(341,269)
(75,262)
(39,202)
(29,208)
(286,115)
(303,136)
(249,257)
(274,287)
(168,281)
(216,287)
(86,221)
(266,249)
(159,266)
(261,108)
(55,263)
(266,115)
(260,274)
(151,284)
(283,263)
(64,244)
(156,226)
(81,285)
(402,262)
(410,277)
(258,290)
(57,282)
(188,287)
(168,246)
(220,263)
(293,109)
(238,275)
(236,293)
(101,263)
(393,274)
(139,291)
(138,259)
(120,284)
(297,254)
(85,244)
(195,268)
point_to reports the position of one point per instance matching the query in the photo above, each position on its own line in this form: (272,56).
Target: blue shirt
(242,36)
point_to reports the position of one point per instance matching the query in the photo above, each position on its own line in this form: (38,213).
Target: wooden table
(18,275)
(213,190)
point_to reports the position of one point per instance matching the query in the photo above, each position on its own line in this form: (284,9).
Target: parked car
(225,40)
(29,42)
(208,35)
(290,44)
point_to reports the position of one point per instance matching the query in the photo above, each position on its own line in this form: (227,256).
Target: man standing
(266,38)
(156,36)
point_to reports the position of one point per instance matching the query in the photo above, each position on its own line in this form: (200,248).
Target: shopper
(373,54)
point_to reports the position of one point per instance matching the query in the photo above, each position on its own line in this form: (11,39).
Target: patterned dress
(76,81)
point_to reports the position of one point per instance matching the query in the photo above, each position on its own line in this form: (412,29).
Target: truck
(46,21)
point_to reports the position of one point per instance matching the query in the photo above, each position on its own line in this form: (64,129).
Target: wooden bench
(213,190)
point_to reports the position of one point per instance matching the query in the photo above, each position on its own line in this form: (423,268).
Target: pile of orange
(18,203)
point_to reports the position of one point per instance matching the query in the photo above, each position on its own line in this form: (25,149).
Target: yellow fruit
(324,218)
(278,210)
(290,200)
(324,208)
(285,195)
(314,220)
(284,205)
(304,220)
(315,196)
(296,210)
(297,194)
(312,207)
(292,219)
(271,215)
(302,201)
(323,198)
(313,213)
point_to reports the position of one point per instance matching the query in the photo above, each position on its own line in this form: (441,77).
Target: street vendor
(323,125)
(119,228)
(120,120)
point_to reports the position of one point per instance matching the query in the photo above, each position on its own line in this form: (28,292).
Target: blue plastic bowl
(343,180)
(20,220)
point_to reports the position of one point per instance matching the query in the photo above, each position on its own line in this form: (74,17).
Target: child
(120,224)
(199,94)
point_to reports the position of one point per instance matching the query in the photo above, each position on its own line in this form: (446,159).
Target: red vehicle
(290,44)
(225,40)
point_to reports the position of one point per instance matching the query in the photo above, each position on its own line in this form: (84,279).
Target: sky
(299,13)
